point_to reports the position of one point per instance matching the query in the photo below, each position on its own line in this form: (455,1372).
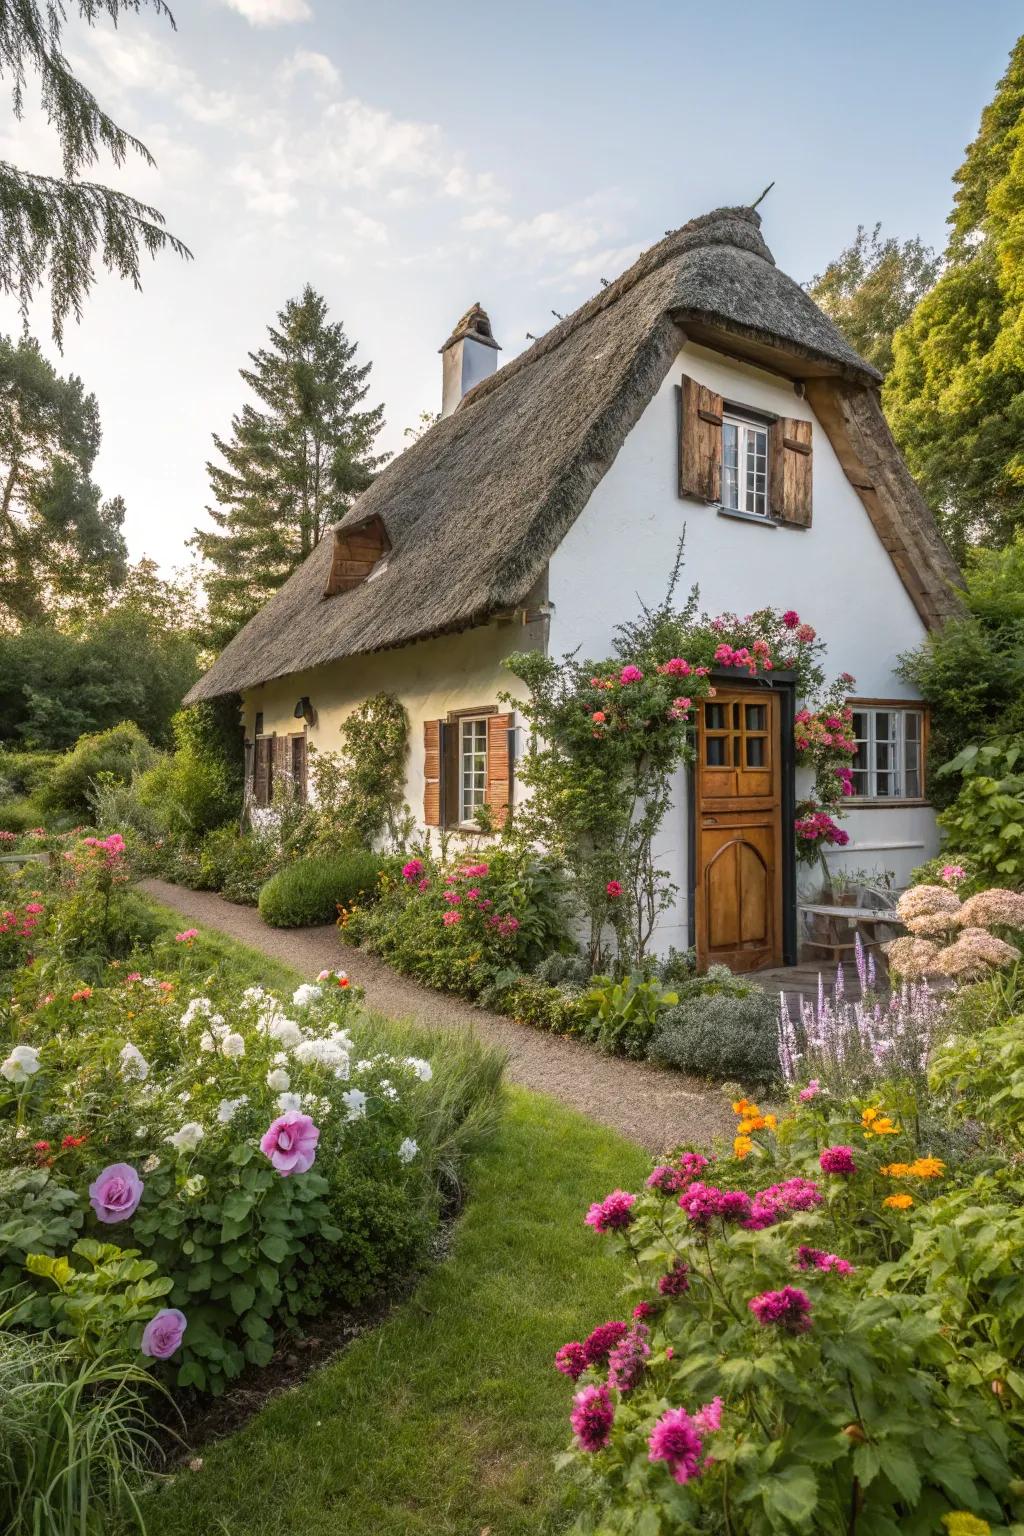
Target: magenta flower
(665,1180)
(642,1311)
(811,1091)
(571,1360)
(116,1193)
(423,885)
(626,1360)
(692,1164)
(674,1440)
(709,1418)
(412,870)
(599,1344)
(163,1333)
(792,1195)
(734,1205)
(631,674)
(290,1143)
(791,618)
(451,917)
(613,1212)
(676,1281)
(789,1308)
(952,874)
(701,1202)
(186,936)
(613,889)
(591,1418)
(817,1258)
(838,1160)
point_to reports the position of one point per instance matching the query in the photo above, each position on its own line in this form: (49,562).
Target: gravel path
(653,1107)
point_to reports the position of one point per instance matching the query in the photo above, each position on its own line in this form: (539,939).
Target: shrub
(19,815)
(310,891)
(986,819)
(191,789)
(558,970)
(117,754)
(246,866)
(723,1031)
(620,1016)
(25,772)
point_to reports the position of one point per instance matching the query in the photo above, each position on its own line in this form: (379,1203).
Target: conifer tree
(57,228)
(955,396)
(293,464)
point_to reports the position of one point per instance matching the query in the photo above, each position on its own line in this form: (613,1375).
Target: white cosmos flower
(278,1079)
(355,1102)
(424,1071)
(21,1064)
(233,1045)
(133,1063)
(188,1138)
(306,994)
(227,1109)
(407,1151)
(287,1101)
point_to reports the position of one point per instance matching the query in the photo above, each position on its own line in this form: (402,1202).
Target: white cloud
(316,66)
(485,218)
(270,13)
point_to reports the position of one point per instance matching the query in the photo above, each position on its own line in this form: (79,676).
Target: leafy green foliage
(954,397)
(102,1302)
(620,1016)
(357,793)
(986,819)
(871,289)
(199,786)
(58,228)
(727,1029)
(311,890)
(38,1214)
(115,754)
(291,469)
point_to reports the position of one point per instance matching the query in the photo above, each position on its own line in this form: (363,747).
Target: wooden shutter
(261,776)
(298,767)
(791,473)
(499,767)
(700,446)
(432,773)
(279,766)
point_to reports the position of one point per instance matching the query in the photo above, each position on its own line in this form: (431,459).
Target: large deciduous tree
(871,288)
(292,465)
(60,542)
(955,395)
(56,228)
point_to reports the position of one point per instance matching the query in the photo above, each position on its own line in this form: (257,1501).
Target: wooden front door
(738,828)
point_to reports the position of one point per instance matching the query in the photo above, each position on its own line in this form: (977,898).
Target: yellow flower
(898,1202)
(927,1168)
(745,1107)
(896,1170)
(742,1145)
(770,1122)
(960,1523)
(875,1123)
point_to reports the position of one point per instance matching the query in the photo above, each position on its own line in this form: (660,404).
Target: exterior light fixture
(305,711)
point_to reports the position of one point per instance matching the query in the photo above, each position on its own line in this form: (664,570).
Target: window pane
(715,717)
(472,768)
(730,465)
(756,717)
(715,751)
(756,756)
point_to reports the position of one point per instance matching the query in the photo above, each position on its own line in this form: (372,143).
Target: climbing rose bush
(780,1363)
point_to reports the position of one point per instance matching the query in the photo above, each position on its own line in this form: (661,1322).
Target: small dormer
(468,356)
(360,551)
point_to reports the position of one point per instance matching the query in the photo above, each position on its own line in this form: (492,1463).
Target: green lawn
(444,1421)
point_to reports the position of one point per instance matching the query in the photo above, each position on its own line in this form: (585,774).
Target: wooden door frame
(784,685)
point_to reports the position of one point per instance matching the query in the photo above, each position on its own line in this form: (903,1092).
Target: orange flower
(896,1170)
(599,716)
(927,1168)
(742,1146)
(898,1202)
(745,1107)
(875,1123)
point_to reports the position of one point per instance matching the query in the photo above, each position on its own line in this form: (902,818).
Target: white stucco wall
(451,672)
(836,574)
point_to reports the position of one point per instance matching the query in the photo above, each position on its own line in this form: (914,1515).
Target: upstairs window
(889,764)
(744,465)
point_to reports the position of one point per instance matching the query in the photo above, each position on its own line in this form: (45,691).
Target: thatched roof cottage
(702,388)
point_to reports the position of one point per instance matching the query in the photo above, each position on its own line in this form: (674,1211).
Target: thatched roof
(475,508)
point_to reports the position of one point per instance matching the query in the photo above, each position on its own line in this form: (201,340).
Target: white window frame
(740,496)
(892,753)
(472,796)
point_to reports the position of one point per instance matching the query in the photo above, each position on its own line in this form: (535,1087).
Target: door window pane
(757,717)
(756,755)
(715,751)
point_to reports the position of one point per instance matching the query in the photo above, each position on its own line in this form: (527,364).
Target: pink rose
(412,870)
(163,1333)
(631,674)
(115,1195)
(613,889)
(290,1143)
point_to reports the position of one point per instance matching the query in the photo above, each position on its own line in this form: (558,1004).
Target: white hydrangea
(278,1079)
(306,994)
(287,1101)
(198,1005)
(355,1103)
(188,1138)
(207,1042)
(327,1053)
(21,1064)
(133,1063)
(227,1109)
(285,1031)
(233,1045)
(407,1151)
(424,1071)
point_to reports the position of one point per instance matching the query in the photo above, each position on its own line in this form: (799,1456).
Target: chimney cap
(476,325)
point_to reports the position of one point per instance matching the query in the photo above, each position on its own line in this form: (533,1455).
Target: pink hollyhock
(290,1143)
(571,1360)
(115,1194)
(838,1160)
(450,918)
(677,1281)
(613,1212)
(598,1345)
(789,1308)
(592,1418)
(412,870)
(163,1333)
(811,1091)
(674,1440)
(631,674)
(613,889)
(709,1418)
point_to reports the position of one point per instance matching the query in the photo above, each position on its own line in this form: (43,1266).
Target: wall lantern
(305,711)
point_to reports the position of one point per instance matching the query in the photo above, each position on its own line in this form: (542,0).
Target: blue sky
(408,159)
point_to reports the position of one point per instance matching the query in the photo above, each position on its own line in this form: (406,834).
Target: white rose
(278,1079)
(407,1151)
(355,1102)
(188,1138)
(233,1045)
(133,1063)
(306,994)
(21,1064)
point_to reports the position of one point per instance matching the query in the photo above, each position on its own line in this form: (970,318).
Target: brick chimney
(469,355)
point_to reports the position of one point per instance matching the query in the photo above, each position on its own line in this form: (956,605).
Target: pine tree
(871,289)
(291,469)
(58,227)
(955,396)
(60,543)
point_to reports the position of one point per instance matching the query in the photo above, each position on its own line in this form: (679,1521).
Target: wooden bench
(842,924)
